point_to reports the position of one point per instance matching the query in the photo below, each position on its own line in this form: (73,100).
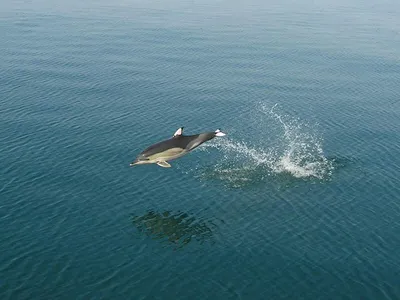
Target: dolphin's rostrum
(173,148)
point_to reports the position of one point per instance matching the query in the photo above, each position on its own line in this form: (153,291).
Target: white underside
(168,155)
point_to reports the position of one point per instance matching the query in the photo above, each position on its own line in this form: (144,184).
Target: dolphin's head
(140,160)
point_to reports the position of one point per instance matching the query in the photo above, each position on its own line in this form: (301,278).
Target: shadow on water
(177,229)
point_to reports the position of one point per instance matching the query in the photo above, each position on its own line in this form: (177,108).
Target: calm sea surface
(301,199)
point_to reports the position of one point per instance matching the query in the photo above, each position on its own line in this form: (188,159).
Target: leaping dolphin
(173,148)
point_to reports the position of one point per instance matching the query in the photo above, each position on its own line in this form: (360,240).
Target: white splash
(302,149)
(297,151)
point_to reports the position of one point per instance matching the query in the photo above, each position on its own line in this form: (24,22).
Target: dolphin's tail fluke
(219,133)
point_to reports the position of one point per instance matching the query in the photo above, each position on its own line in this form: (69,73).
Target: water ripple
(310,207)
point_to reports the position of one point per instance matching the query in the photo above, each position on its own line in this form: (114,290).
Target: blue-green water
(301,200)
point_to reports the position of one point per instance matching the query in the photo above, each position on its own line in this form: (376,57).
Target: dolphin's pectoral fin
(164,164)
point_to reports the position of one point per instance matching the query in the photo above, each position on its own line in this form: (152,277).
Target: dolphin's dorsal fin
(179,132)
(164,164)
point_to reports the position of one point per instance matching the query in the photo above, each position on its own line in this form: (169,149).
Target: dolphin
(173,148)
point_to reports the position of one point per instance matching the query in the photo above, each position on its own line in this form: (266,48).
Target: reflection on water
(176,228)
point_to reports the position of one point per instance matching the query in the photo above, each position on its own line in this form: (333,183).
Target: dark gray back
(187,142)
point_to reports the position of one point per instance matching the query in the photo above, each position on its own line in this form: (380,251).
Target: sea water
(300,200)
